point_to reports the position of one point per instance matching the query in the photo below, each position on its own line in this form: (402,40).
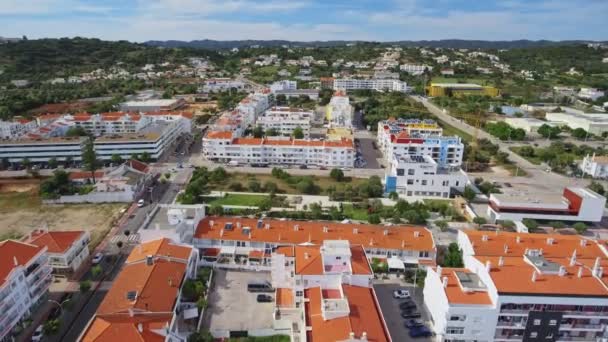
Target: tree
(271,132)
(337,175)
(53,163)
(5,163)
(469,194)
(579,133)
(51,327)
(116,159)
(530,223)
(25,162)
(235,186)
(580,227)
(373,218)
(479,220)
(89,158)
(145,157)
(119,244)
(216,210)
(95,271)
(298,133)
(549,132)
(258,132)
(526,151)
(254,186)
(271,187)
(393,195)
(265,204)
(201,303)
(597,187)
(134,156)
(218,174)
(442,225)
(85,286)
(76,131)
(201,336)
(453,256)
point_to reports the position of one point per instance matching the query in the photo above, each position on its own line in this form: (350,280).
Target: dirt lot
(21,211)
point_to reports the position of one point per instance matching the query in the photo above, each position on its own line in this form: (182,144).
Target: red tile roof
(14,253)
(122,327)
(159,247)
(56,241)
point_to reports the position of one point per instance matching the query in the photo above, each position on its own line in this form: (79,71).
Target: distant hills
(445,43)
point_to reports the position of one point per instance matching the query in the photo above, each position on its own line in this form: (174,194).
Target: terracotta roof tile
(456,294)
(14,251)
(56,241)
(159,247)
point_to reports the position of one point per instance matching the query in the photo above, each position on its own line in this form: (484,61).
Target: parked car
(260,287)
(97,258)
(407,305)
(410,314)
(37,336)
(421,331)
(401,294)
(413,323)
(141,203)
(262,298)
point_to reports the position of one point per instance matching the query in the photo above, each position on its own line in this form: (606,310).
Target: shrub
(580,227)
(85,286)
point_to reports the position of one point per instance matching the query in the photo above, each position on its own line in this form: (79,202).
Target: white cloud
(209,7)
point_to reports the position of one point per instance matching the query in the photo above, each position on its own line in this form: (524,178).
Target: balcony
(582,327)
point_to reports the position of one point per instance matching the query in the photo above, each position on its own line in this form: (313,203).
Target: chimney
(364,336)
(210,223)
(149,260)
(562,271)
(501,261)
(306,256)
(549,241)
(439,269)
(131,313)
(355,231)
(506,249)
(583,242)
(580,272)
(573,258)
(416,233)
(15,261)
(221,232)
(238,224)
(402,243)
(518,239)
(488,266)
(385,232)
(325,229)
(351,335)
(534,275)
(170,281)
(444,281)
(484,238)
(140,328)
(296,228)
(371,241)
(267,226)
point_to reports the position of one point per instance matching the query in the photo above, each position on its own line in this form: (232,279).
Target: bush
(254,186)
(530,223)
(337,175)
(51,327)
(442,225)
(580,227)
(379,266)
(85,286)
(479,220)
(236,186)
(557,224)
(373,218)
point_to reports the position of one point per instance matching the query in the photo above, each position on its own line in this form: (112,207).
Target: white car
(97,258)
(37,335)
(401,294)
(141,203)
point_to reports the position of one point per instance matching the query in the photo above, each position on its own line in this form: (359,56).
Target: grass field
(359,214)
(236,199)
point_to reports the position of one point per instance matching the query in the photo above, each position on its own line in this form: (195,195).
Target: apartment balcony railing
(511,325)
(594,327)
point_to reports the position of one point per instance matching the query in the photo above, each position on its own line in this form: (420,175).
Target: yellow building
(339,133)
(460,89)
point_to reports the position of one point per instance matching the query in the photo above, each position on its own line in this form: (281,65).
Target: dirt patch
(19,185)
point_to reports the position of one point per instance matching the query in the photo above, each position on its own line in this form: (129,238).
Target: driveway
(392,313)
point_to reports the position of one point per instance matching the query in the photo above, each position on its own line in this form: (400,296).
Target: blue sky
(382,20)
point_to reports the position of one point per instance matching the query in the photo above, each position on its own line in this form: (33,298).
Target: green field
(236,199)
(359,214)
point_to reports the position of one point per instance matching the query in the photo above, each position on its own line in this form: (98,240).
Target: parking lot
(392,313)
(232,308)
(368,154)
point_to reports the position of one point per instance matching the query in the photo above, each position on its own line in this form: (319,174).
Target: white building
(590,94)
(574,205)
(214,85)
(595,166)
(402,138)
(155,105)
(420,176)
(25,277)
(14,129)
(372,84)
(339,111)
(519,286)
(285,119)
(66,250)
(312,94)
(530,125)
(283,85)
(221,147)
(590,122)
(415,69)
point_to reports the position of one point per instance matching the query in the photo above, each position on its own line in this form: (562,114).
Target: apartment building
(521,287)
(574,204)
(339,111)
(283,85)
(415,69)
(460,89)
(595,166)
(312,94)
(401,138)
(322,290)
(421,176)
(226,239)
(25,277)
(214,85)
(14,129)
(152,105)
(145,300)
(110,123)
(66,250)
(285,119)
(377,84)
(221,147)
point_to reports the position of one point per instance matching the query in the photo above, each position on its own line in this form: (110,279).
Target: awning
(395,264)
(191,313)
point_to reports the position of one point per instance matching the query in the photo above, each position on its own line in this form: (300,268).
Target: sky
(306,20)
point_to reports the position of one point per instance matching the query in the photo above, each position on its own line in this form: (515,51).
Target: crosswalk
(131,239)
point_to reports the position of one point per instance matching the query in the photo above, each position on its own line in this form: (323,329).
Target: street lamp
(60,305)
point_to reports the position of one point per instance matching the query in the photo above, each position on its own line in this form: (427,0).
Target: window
(458,318)
(424,182)
(454,330)
(400,172)
(553,322)
(410,181)
(536,322)
(533,334)
(299,293)
(410,172)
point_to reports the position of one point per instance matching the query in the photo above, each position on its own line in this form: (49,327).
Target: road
(535,171)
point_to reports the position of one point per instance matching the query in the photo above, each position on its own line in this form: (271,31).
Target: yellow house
(460,89)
